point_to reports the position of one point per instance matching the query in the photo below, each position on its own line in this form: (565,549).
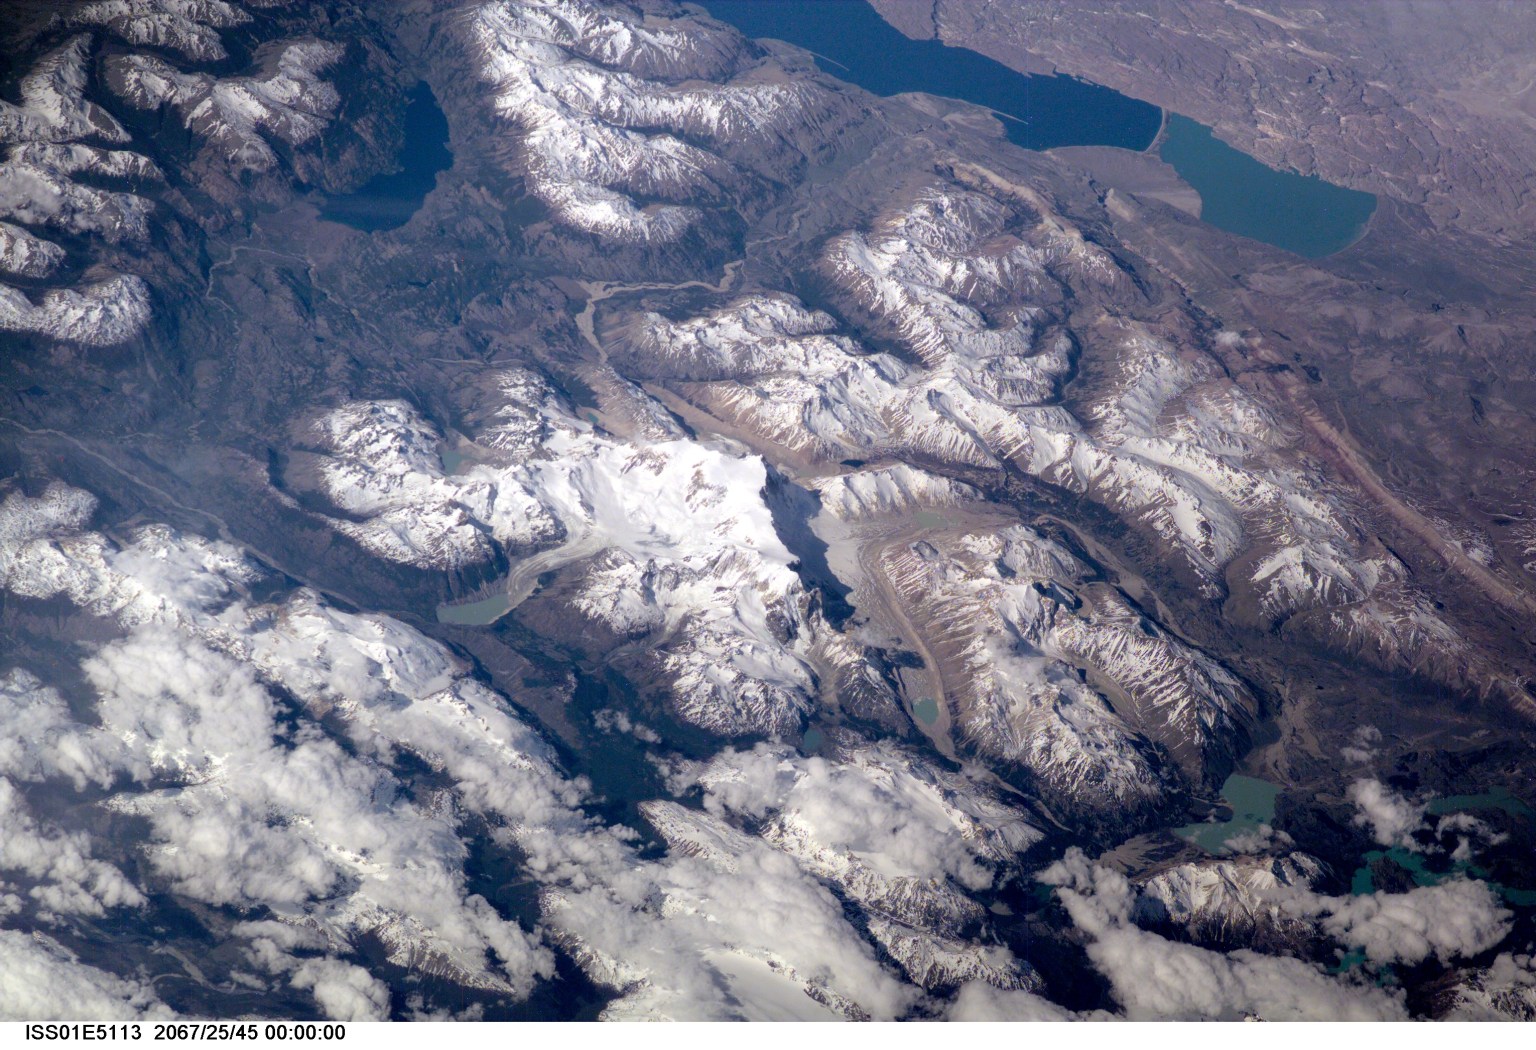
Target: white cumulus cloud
(1157,979)
(1392,818)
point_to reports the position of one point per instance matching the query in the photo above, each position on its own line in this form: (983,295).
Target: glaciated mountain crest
(1061,680)
(668,543)
(605,105)
(288,102)
(202,709)
(41,193)
(188,27)
(65,177)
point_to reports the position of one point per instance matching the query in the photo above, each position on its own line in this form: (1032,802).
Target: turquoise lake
(487,610)
(1498,798)
(851,41)
(1364,881)
(1253,804)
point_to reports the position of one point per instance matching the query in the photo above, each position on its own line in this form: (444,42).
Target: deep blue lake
(859,46)
(389,200)
(852,42)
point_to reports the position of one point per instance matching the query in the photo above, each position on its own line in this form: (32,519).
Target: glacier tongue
(673,541)
(966,279)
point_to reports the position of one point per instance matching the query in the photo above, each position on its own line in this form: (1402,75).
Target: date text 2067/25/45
(177,1031)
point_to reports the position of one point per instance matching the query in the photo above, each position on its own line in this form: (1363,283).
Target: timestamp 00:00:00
(179,1031)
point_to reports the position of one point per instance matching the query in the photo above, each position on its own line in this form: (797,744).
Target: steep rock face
(38,190)
(1235,901)
(948,282)
(1503,991)
(689,951)
(25,255)
(965,280)
(1158,436)
(53,105)
(189,711)
(384,467)
(102,314)
(191,28)
(210,725)
(66,176)
(1061,680)
(897,489)
(237,116)
(941,963)
(782,497)
(41,189)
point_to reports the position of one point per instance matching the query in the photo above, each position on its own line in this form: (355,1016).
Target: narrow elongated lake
(857,45)
(1298,213)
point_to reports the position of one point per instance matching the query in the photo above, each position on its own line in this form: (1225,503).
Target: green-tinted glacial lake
(487,610)
(1498,798)
(1418,866)
(1253,804)
(1298,213)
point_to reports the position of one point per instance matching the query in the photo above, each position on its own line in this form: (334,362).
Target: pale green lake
(487,610)
(1300,213)
(1253,804)
(926,710)
(1498,798)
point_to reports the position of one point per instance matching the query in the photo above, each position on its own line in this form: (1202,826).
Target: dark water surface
(1300,214)
(859,46)
(389,200)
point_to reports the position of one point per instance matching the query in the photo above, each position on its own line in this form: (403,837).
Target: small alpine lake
(926,710)
(477,614)
(1252,802)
